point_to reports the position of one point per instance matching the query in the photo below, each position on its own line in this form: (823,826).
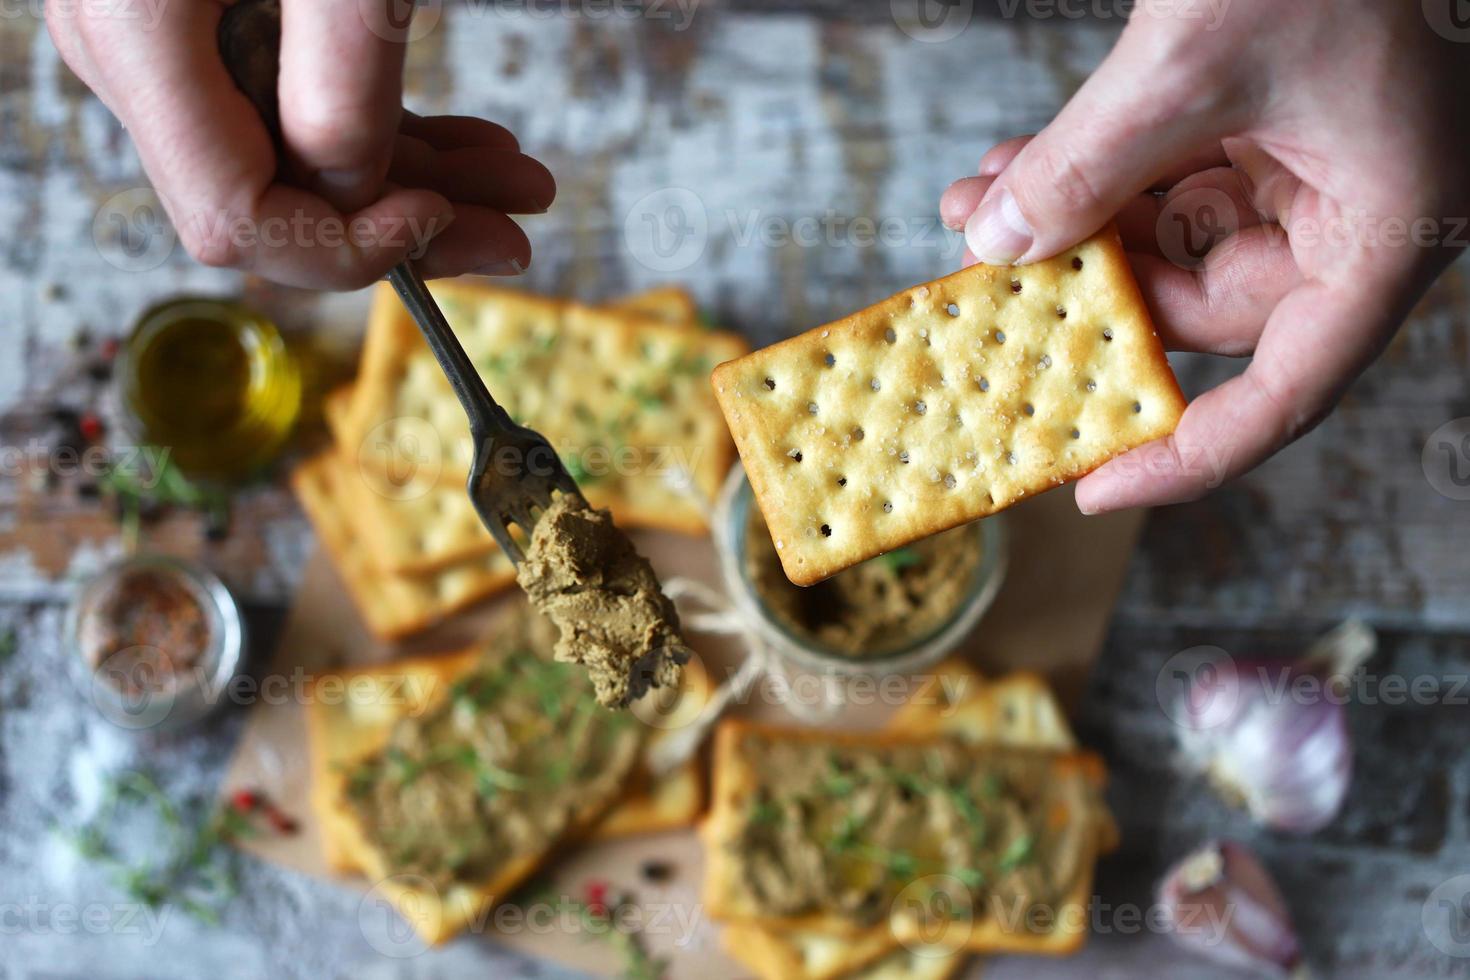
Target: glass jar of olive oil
(214,382)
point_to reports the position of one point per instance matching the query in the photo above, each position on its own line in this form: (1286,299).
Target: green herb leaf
(970,878)
(765,812)
(899,559)
(1017,852)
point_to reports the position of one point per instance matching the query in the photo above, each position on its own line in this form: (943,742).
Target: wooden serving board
(1051,615)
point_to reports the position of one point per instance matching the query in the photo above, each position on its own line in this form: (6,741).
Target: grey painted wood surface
(781,137)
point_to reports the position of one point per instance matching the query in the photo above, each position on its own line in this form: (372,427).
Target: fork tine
(507,541)
(516,512)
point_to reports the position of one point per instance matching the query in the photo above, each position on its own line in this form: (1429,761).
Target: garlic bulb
(1221,903)
(1273,737)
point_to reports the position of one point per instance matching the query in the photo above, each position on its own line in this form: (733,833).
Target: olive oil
(213,382)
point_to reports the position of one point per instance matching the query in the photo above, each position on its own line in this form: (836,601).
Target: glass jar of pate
(899,612)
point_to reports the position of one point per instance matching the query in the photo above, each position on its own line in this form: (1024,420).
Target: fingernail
(509,267)
(998,233)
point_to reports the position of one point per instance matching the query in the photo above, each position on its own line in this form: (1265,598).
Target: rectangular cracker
(342,730)
(672,304)
(945,403)
(620,394)
(330,491)
(352,711)
(735,779)
(812,955)
(1018,709)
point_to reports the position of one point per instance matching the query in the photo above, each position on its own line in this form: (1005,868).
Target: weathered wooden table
(784,161)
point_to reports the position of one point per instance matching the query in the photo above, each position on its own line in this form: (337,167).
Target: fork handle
(487,418)
(249,43)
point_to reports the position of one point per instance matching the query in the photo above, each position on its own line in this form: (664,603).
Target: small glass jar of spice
(157,641)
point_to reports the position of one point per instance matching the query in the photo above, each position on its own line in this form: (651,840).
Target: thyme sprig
(199,872)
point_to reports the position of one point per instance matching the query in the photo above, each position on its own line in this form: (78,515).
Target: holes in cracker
(826,530)
(858,433)
(949,481)
(1029,409)
(1077,262)
(1108,334)
(829,359)
(920,407)
(903,456)
(1137,407)
(795,455)
(952,309)
(1074,433)
(1091,385)
(1000,337)
(811,408)
(984,383)
(887,506)
(1011,459)
(1061,312)
(770,384)
(890,336)
(875,384)
(1016,286)
(842,481)
(1045,361)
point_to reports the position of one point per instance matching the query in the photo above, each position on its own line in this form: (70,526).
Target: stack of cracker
(620,390)
(1016,713)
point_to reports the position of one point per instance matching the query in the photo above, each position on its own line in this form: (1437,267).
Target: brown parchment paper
(1051,615)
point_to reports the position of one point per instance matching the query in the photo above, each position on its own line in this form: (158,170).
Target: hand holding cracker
(1286,178)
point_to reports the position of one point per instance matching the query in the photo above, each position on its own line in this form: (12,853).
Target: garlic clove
(1273,737)
(1221,902)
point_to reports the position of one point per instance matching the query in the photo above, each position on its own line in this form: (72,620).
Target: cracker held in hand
(948,402)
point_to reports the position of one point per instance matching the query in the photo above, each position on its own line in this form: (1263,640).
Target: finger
(296,238)
(456,132)
(1271,185)
(999,156)
(960,200)
(1317,340)
(1195,215)
(1222,307)
(1112,141)
(1208,157)
(341,88)
(62,25)
(501,179)
(1138,222)
(481,242)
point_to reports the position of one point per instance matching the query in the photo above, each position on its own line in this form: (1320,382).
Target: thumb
(341,98)
(1124,128)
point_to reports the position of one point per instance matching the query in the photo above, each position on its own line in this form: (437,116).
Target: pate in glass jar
(895,613)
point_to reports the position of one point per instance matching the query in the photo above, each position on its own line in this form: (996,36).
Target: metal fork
(515,470)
